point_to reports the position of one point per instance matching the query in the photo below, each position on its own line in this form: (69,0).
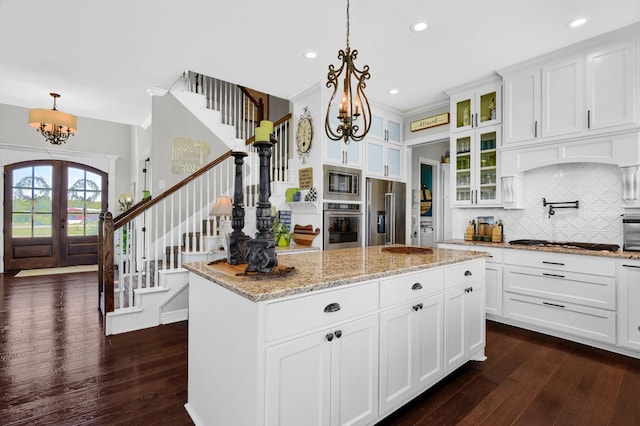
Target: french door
(51,214)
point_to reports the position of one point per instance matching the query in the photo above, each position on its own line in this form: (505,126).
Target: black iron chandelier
(354,112)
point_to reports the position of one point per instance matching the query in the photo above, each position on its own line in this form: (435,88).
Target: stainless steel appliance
(386,207)
(631,232)
(342,225)
(341,183)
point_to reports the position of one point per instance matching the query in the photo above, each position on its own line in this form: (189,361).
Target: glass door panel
(488,166)
(488,107)
(463,169)
(31,204)
(463,113)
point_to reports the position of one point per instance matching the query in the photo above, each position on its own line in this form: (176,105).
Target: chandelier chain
(348,25)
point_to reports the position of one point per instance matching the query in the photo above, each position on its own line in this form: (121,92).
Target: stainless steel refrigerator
(386,212)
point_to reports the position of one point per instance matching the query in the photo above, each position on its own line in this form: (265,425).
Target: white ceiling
(103,55)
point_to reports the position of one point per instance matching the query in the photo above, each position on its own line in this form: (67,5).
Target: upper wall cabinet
(475,108)
(385,126)
(338,152)
(572,96)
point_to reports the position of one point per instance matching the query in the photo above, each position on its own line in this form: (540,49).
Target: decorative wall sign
(188,155)
(305,178)
(426,123)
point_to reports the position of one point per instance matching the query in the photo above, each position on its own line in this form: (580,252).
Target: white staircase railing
(163,232)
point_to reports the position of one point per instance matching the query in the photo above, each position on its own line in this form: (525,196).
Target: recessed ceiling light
(310,55)
(419,26)
(394,91)
(577,22)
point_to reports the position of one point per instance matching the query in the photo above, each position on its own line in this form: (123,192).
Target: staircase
(141,280)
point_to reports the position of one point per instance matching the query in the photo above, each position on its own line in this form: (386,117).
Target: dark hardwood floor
(58,368)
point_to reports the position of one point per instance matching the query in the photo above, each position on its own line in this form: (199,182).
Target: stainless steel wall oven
(342,225)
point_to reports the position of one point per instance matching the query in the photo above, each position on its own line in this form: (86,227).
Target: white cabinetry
(476,181)
(569,294)
(561,98)
(493,276)
(342,356)
(628,304)
(384,160)
(328,377)
(464,325)
(610,86)
(477,107)
(386,126)
(410,336)
(338,152)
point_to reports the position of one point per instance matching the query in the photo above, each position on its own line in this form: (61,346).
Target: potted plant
(281,232)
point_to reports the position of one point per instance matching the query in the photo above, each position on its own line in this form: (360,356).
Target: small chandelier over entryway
(354,112)
(54,125)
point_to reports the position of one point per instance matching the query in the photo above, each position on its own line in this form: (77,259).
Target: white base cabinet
(410,350)
(328,377)
(629,304)
(464,328)
(349,355)
(593,300)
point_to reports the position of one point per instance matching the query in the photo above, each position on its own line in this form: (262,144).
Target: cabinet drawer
(463,273)
(583,321)
(307,313)
(406,287)
(590,290)
(561,262)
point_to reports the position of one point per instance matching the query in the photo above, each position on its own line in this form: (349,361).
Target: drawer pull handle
(553,304)
(415,308)
(631,266)
(329,336)
(332,307)
(552,275)
(467,273)
(552,263)
(338,334)
(416,286)
(420,305)
(468,290)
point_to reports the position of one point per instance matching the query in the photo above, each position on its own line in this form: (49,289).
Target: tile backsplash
(597,186)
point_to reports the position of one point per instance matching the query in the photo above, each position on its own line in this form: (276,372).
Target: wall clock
(304,134)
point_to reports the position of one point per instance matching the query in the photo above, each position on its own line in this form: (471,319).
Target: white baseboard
(174,316)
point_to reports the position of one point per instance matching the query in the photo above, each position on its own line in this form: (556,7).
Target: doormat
(53,271)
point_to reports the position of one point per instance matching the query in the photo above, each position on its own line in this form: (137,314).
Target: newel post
(105,266)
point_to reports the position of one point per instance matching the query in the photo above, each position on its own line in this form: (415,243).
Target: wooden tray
(223,267)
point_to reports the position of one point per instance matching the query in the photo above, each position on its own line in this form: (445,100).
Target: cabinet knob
(329,336)
(332,307)
(338,334)
(467,273)
(416,286)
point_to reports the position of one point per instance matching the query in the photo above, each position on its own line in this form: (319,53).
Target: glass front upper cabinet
(474,109)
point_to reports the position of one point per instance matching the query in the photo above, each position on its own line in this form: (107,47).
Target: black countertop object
(567,244)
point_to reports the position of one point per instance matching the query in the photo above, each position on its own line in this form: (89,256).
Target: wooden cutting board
(223,267)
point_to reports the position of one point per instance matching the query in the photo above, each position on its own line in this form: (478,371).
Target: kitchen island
(347,337)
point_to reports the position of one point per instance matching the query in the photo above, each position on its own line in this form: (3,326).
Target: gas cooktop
(567,244)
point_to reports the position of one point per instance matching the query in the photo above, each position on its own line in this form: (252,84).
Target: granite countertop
(620,254)
(325,269)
